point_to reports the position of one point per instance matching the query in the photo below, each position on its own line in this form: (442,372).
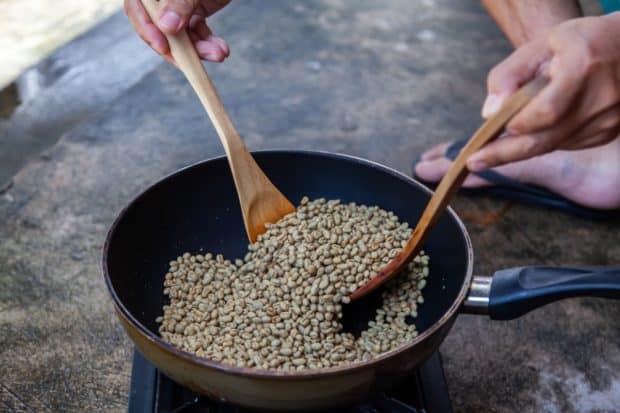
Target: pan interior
(197,210)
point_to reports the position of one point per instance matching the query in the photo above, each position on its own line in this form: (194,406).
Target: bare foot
(589,177)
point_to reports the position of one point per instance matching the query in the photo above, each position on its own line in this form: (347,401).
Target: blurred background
(47,77)
(31,29)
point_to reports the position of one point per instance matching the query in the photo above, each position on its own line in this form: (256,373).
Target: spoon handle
(187,60)
(457,173)
(261,202)
(450,183)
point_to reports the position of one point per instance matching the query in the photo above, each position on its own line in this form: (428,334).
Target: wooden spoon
(261,202)
(449,184)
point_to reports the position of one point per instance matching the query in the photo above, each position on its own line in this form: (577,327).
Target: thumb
(518,68)
(175,15)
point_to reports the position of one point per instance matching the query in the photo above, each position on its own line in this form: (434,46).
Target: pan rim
(202,362)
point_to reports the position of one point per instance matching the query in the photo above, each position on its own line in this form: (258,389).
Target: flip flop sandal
(507,188)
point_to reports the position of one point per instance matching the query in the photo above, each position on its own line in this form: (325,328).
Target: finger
(175,15)
(202,29)
(145,28)
(170,60)
(195,38)
(433,171)
(221,43)
(515,148)
(552,103)
(505,78)
(209,47)
(205,34)
(195,20)
(570,132)
(157,40)
(210,50)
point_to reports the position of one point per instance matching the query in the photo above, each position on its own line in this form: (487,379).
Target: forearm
(521,20)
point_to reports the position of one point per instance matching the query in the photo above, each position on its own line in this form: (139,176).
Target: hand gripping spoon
(450,183)
(261,202)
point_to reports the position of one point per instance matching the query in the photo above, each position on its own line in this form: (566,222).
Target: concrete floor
(32,29)
(67,87)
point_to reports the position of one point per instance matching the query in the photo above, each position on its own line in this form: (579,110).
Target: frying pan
(196,210)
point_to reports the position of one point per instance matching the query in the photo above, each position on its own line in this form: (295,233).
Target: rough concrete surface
(378,80)
(69,86)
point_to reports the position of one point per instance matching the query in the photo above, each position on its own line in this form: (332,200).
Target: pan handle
(512,292)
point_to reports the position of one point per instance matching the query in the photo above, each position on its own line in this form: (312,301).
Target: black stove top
(424,391)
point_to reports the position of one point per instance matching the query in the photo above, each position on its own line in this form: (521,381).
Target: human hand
(178,15)
(579,108)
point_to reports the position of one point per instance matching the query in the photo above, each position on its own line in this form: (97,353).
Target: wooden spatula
(261,202)
(450,183)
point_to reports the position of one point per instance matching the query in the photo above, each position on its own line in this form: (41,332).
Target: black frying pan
(196,209)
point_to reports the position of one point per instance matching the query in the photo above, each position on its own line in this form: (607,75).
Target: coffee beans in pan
(280,307)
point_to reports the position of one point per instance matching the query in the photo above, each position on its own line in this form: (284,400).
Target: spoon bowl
(261,202)
(450,183)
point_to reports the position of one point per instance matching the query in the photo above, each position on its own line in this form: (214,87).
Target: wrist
(525,20)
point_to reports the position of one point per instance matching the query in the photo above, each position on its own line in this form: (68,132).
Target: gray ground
(382,81)
(66,88)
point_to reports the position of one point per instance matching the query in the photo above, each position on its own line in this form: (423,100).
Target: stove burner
(424,391)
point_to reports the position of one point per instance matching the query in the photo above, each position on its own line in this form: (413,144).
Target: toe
(436,152)
(434,170)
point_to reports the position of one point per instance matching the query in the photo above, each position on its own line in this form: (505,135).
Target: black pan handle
(512,292)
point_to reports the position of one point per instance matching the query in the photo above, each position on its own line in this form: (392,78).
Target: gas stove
(424,391)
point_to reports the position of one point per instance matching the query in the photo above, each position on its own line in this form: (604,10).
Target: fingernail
(206,47)
(209,51)
(477,166)
(491,105)
(169,21)
(214,56)
(221,43)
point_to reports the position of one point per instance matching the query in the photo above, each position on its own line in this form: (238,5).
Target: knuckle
(563,35)
(586,54)
(529,145)
(532,146)
(546,114)
(545,145)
